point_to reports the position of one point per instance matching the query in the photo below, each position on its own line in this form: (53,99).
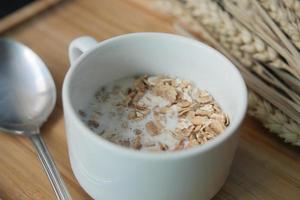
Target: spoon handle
(50,168)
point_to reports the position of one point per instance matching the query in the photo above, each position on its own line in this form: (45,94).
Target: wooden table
(264,167)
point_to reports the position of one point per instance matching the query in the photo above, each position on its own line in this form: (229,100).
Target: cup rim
(157,155)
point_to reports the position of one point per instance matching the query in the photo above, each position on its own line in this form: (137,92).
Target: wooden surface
(24,13)
(264,167)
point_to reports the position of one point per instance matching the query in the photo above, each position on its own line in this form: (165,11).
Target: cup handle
(79,46)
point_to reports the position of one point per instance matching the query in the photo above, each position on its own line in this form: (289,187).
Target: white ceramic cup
(111,172)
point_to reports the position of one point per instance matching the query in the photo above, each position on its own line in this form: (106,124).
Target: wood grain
(24,13)
(264,167)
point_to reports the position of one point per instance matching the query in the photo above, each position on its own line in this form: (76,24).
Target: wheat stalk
(245,49)
(273,119)
(293,5)
(243,40)
(232,36)
(285,17)
(277,122)
(254,17)
(252,81)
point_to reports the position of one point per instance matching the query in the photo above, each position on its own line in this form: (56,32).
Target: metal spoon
(27,97)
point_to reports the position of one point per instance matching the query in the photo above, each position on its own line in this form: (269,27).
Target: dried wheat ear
(261,37)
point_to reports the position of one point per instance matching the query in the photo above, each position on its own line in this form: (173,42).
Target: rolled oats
(180,145)
(217,126)
(184,104)
(136,144)
(163,147)
(197,120)
(197,128)
(167,92)
(152,128)
(164,110)
(157,113)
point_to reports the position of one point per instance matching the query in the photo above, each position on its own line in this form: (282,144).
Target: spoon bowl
(27,89)
(27,98)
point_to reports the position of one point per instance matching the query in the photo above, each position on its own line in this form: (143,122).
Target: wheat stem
(293,5)
(252,16)
(252,81)
(286,16)
(279,33)
(272,118)
(250,53)
(289,80)
(270,78)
